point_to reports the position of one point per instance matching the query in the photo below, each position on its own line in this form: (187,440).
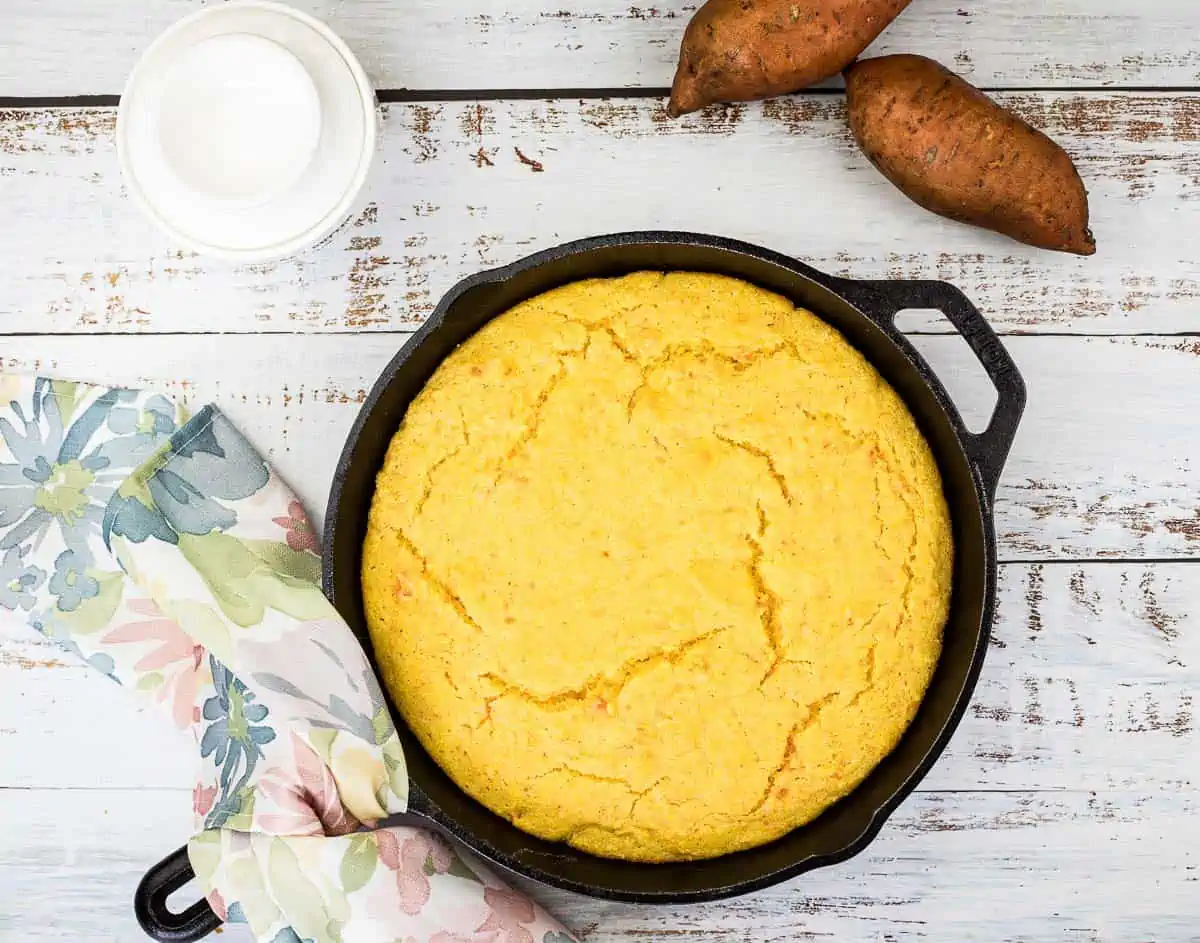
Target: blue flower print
(18,580)
(207,466)
(65,467)
(70,584)
(234,739)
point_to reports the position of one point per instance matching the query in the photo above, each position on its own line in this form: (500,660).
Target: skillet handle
(150,903)
(199,920)
(989,449)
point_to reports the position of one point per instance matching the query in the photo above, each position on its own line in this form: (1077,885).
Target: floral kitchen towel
(166,553)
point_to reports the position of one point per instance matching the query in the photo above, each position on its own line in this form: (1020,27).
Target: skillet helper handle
(988,449)
(150,903)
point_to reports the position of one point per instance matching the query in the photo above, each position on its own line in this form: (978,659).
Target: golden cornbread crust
(658,566)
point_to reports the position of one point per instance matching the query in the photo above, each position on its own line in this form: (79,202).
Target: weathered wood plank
(60,722)
(452,196)
(1100,467)
(70,859)
(88,47)
(997,867)
(1089,684)
(1036,867)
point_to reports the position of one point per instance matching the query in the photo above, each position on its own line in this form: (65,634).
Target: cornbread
(657,566)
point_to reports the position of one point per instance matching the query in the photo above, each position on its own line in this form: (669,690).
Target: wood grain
(1038,867)
(452,195)
(1100,468)
(89,47)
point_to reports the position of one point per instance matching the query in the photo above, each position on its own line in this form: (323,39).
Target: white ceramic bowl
(247,130)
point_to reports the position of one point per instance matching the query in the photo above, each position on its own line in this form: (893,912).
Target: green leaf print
(397,772)
(245,584)
(204,853)
(150,681)
(298,564)
(69,394)
(382,725)
(203,624)
(459,869)
(259,908)
(299,898)
(362,855)
(321,739)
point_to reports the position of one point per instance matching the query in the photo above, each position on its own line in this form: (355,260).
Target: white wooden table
(1067,807)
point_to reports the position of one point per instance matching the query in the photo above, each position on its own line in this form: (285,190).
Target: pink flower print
(304,797)
(300,534)
(217,903)
(411,879)
(202,799)
(289,813)
(408,859)
(389,848)
(177,658)
(445,937)
(509,911)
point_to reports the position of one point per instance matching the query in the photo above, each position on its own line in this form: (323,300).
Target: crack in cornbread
(603,688)
(675,352)
(768,602)
(789,748)
(401,588)
(765,456)
(531,428)
(657,566)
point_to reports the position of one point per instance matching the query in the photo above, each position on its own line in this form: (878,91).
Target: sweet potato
(739,50)
(956,152)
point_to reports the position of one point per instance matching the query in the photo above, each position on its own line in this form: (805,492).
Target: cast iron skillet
(864,311)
